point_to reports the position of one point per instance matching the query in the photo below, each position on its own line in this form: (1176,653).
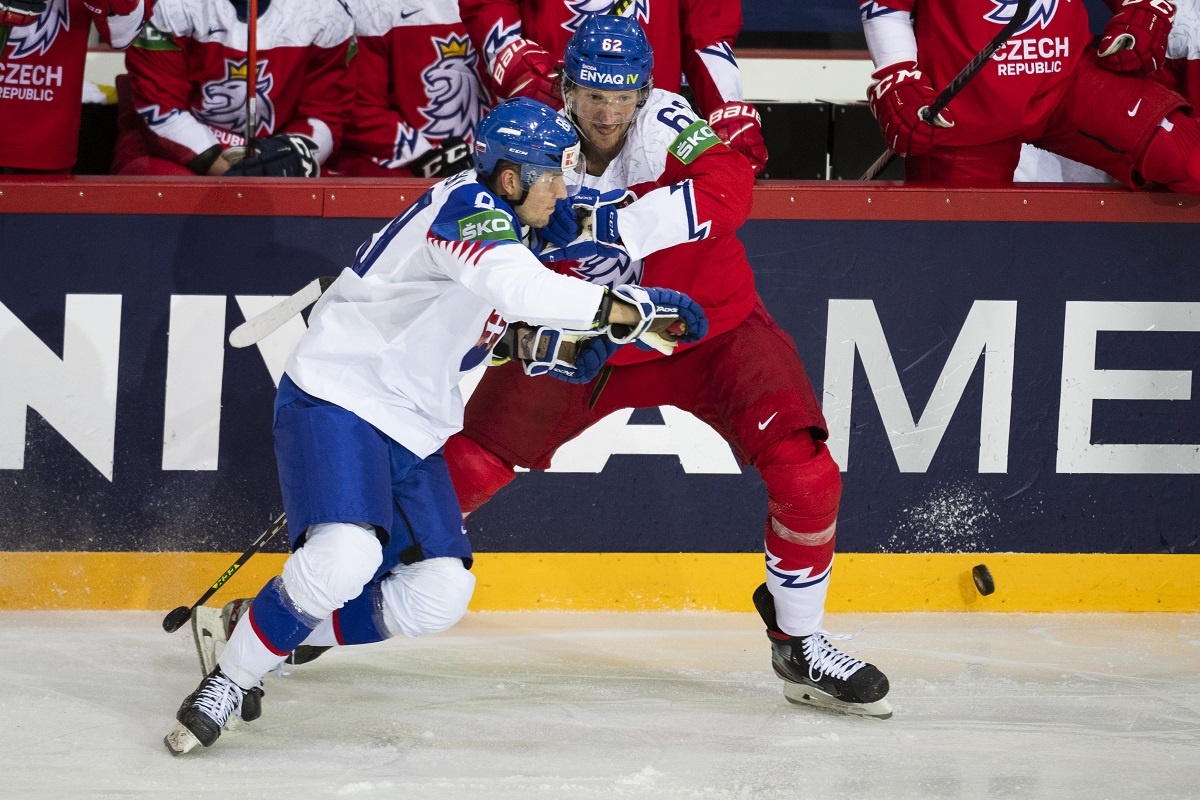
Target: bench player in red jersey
(1048,85)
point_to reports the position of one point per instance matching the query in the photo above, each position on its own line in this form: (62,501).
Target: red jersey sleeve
(161,91)
(709,30)
(126,20)
(378,129)
(491,24)
(327,97)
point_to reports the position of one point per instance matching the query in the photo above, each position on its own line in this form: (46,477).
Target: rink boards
(1008,378)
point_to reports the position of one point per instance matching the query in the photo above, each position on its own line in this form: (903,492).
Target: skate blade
(208,630)
(180,740)
(803,695)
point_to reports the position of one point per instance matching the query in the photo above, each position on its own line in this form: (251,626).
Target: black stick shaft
(266,536)
(930,112)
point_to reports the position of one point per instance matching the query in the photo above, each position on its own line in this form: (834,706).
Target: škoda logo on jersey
(487,225)
(1039,11)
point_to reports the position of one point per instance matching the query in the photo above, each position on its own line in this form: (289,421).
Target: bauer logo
(1040,11)
(488,225)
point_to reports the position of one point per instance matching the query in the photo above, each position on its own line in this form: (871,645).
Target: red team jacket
(188,74)
(417,79)
(1022,83)
(41,82)
(697,34)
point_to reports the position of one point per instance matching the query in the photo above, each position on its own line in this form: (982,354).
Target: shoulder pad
(472,213)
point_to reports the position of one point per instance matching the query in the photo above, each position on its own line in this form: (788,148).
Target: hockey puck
(983,579)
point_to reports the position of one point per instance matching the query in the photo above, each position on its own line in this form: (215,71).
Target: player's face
(603,115)
(547,190)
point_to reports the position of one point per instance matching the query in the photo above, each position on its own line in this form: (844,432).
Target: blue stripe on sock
(361,620)
(279,622)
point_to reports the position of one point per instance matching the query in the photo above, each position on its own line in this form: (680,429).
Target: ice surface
(629,705)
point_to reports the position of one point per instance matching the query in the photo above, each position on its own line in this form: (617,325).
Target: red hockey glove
(897,96)
(16,13)
(1135,39)
(739,126)
(524,69)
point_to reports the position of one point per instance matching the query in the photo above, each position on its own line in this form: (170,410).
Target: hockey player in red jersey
(522,41)
(41,74)
(1047,86)
(186,103)
(419,91)
(690,194)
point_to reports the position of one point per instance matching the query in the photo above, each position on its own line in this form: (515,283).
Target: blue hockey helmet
(609,52)
(532,136)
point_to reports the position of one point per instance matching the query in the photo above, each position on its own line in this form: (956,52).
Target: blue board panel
(923,278)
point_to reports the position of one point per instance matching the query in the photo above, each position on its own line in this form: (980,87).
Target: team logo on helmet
(225,100)
(456,101)
(1039,11)
(582,9)
(38,36)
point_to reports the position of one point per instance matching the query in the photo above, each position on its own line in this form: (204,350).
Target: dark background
(922,277)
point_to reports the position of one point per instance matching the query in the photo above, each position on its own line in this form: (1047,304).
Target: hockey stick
(260,326)
(4,31)
(930,112)
(175,620)
(251,75)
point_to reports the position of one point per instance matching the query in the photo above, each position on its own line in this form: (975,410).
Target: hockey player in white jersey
(370,395)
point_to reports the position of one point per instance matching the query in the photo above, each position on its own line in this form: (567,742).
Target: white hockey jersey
(423,304)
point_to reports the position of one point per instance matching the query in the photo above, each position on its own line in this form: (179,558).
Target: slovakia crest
(456,99)
(638,9)
(38,36)
(225,100)
(1039,11)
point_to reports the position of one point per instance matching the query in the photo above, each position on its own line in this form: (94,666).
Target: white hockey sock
(799,610)
(426,597)
(322,635)
(246,658)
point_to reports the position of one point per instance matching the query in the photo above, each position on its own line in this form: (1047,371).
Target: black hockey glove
(441,162)
(16,13)
(284,155)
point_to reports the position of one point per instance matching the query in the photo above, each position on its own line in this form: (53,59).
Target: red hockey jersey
(417,80)
(1021,84)
(681,233)
(694,37)
(41,82)
(188,74)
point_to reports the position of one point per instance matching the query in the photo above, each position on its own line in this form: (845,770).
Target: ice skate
(816,673)
(207,710)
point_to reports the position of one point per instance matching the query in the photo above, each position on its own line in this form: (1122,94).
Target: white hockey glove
(668,317)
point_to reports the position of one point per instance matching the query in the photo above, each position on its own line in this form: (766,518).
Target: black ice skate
(817,674)
(205,711)
(211,628)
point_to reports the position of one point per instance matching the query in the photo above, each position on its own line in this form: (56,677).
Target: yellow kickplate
(644,581)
